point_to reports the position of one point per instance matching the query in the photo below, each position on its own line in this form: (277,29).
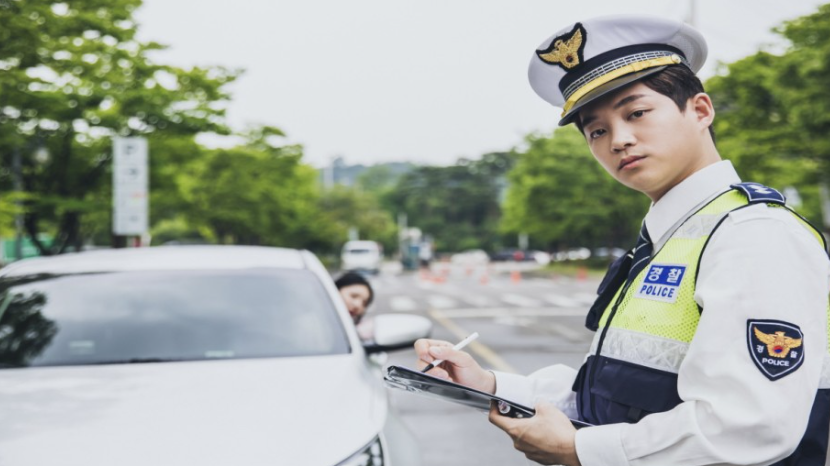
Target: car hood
(281,411)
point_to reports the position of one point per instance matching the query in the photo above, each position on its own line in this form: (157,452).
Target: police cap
(589,59)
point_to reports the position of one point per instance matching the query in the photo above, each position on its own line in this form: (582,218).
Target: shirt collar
(681,201)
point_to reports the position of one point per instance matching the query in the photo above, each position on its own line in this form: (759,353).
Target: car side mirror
(394,332)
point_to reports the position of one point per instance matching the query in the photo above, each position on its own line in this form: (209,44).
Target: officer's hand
(547,437)
(458,366)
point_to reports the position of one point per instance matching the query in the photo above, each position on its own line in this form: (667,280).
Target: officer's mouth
(630,162)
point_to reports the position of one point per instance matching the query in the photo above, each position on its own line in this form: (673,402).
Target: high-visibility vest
(640,343)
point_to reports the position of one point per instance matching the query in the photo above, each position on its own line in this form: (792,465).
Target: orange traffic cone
(485,278)
(581,273)
(515,276)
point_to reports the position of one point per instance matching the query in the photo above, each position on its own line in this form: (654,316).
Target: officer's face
(645,142)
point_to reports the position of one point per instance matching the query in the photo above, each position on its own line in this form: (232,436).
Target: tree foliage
(561,197)
(773,117)
(343,208)
(255,194)
(457,205)
(73,76)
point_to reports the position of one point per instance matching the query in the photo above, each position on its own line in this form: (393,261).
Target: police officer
(711,343)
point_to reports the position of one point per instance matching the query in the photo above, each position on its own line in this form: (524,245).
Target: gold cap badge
(565,50)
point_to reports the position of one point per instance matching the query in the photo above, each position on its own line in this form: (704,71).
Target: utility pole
(691,19)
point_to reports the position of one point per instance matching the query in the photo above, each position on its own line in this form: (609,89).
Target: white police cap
(589,59)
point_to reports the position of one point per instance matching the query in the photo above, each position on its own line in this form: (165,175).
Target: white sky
(394,80)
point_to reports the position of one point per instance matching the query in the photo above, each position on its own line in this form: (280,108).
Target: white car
(361,255)
(197,355)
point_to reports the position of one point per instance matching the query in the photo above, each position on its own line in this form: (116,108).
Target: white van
(361,255)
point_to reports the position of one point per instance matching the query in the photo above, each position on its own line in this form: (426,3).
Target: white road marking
(494,312)
(562,301)
(441,302)
(519,300)
(585,298)
(568,333)
(402,304)
(478,301)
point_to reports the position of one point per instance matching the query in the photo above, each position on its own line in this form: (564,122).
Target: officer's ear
(704,111)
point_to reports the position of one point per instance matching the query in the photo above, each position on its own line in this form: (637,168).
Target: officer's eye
(596,133)
(637,114)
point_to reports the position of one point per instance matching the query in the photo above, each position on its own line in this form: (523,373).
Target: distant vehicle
(579,254)
(361,256)
(521,255)
(208,355)
(470,257)
(608,253)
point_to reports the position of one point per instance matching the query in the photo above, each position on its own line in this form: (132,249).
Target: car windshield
(123,317)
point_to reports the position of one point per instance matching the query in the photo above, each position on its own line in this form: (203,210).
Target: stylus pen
(461,344)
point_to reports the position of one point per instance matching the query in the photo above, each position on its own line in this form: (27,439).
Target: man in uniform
(711,342)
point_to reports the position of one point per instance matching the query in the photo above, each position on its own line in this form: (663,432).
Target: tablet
(414,381)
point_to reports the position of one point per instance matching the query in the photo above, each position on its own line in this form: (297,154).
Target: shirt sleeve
(552,384)
(760,264)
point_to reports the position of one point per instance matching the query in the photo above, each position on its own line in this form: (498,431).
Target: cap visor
(604,89)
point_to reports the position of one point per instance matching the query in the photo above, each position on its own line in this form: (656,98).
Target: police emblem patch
(775,346)
(661,282)
(566,50)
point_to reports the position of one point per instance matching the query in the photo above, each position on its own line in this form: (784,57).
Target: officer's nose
(622,140)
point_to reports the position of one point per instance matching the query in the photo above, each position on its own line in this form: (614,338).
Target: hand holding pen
(449,362)
(461,344)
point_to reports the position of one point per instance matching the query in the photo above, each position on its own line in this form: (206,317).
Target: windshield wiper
(141,360)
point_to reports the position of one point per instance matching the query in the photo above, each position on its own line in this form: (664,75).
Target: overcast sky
(427,81)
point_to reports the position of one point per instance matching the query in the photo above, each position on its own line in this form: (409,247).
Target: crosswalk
(441,301)
(410,294)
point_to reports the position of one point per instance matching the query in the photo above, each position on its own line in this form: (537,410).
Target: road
(525,324)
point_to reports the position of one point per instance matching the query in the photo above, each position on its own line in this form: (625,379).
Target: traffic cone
(581,273)
(515,276)
(485,278)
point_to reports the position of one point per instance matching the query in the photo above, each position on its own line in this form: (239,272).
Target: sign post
(130,186)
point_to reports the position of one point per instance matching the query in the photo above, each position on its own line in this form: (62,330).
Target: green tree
(457,205)
(73,76)
(343,208)
(561,197)
(773,109)
(257,194)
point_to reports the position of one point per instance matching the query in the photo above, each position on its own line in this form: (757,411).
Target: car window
(166,316)
(358,251)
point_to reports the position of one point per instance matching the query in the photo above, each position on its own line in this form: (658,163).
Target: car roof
(162,258)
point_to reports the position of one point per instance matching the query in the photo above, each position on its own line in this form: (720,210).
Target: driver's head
(356,293)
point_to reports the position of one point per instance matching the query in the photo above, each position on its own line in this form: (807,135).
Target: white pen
(461,344)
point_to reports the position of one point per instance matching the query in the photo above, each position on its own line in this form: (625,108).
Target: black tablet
(414,381)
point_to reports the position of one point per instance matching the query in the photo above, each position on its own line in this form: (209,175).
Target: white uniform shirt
(760,264)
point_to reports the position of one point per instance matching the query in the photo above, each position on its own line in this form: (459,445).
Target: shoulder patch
(775,347)
(756,192)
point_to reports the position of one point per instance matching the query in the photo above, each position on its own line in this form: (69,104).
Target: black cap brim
(604,89)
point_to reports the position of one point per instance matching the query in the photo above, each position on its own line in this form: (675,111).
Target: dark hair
(678,83)
(354,278)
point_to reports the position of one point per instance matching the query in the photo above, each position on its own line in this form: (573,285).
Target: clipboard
(413,381)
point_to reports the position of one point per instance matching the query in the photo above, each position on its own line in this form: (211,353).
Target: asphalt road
(525,324)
